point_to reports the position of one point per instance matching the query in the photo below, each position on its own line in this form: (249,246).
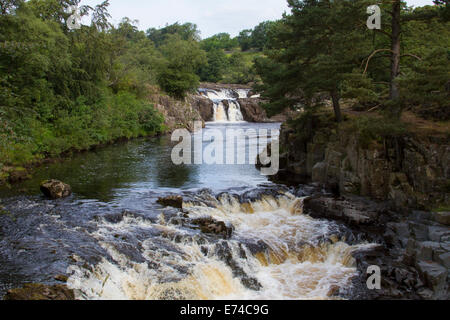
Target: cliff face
(252,110)
(411,171)
(408,177)
(177,113)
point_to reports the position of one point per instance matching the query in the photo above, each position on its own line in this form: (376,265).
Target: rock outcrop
(215,227)
(40,292)
(252,110)
(55,189)
(413,251)
(411,171)
(204,106)
(386,191)
(178,114)
(171,201)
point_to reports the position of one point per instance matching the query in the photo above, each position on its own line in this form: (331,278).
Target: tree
(187,32)
(9,6)
(220,41)
(444,6)
(259,36)
(214,70)
(320,42)
(245,39)
(177,75)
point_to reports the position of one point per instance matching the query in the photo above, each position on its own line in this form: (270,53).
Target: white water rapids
(292,266)
(226,106)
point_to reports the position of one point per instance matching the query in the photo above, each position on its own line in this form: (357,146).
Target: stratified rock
(171,201)
(352,212)
(205,107)
(40,292)
(442,218)
(436,277)
(252,110)
(55,189)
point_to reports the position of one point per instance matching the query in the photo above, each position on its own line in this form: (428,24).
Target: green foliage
(240,68)
(444,9)
(359,86)
(187,32)
(375,129)
(311,48)
(217,65)
(220,41)
(183,58)
(245,39)
(62,91)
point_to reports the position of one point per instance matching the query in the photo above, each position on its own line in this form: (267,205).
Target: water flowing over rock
(230,104)
(223,246)
(404,178)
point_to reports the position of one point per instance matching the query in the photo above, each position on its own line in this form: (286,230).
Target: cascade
(226,106)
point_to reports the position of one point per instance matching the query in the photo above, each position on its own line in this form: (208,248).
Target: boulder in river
(55,189)
(212,226)
(171,201)
(40,292)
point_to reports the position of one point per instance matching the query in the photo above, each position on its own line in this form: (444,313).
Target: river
(115,241)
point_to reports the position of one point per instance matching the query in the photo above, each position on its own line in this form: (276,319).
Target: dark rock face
(252,111)
(171,201)
(204,106)
(178,114)
(40,292)
(55,189)
(411,172)
(414,251)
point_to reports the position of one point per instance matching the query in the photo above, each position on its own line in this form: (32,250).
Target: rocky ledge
(40,292)
(413,251)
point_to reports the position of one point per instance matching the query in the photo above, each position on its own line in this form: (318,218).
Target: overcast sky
(211,16)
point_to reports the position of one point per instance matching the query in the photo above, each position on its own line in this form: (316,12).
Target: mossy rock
(39,292)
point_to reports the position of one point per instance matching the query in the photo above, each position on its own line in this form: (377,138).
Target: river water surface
(115,242)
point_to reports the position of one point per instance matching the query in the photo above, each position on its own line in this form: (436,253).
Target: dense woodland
(63,89)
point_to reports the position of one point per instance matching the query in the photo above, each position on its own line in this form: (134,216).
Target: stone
(435,277)
(55,189)
(444,259)
(212,226)
(252,110)
(40,292)
(171,201)
(319,172)
(205,107)
(438,233)
(442,218)
(420,231)
(426,250)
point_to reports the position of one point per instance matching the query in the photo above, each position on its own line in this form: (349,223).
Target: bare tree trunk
(336,105)
(395,58)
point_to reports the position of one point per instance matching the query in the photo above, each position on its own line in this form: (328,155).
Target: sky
(211,16)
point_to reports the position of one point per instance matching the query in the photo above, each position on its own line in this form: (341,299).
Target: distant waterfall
(226,106)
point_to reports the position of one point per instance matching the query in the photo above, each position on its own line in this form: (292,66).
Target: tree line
(65,89)
(325,46)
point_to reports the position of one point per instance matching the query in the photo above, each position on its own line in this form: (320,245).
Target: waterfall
(226,106)
(276,252)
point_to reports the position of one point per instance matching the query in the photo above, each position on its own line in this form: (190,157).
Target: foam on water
(293,265)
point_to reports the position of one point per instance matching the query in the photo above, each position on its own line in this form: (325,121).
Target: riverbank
(389,182)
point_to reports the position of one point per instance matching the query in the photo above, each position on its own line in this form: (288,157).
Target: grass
(442,209)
